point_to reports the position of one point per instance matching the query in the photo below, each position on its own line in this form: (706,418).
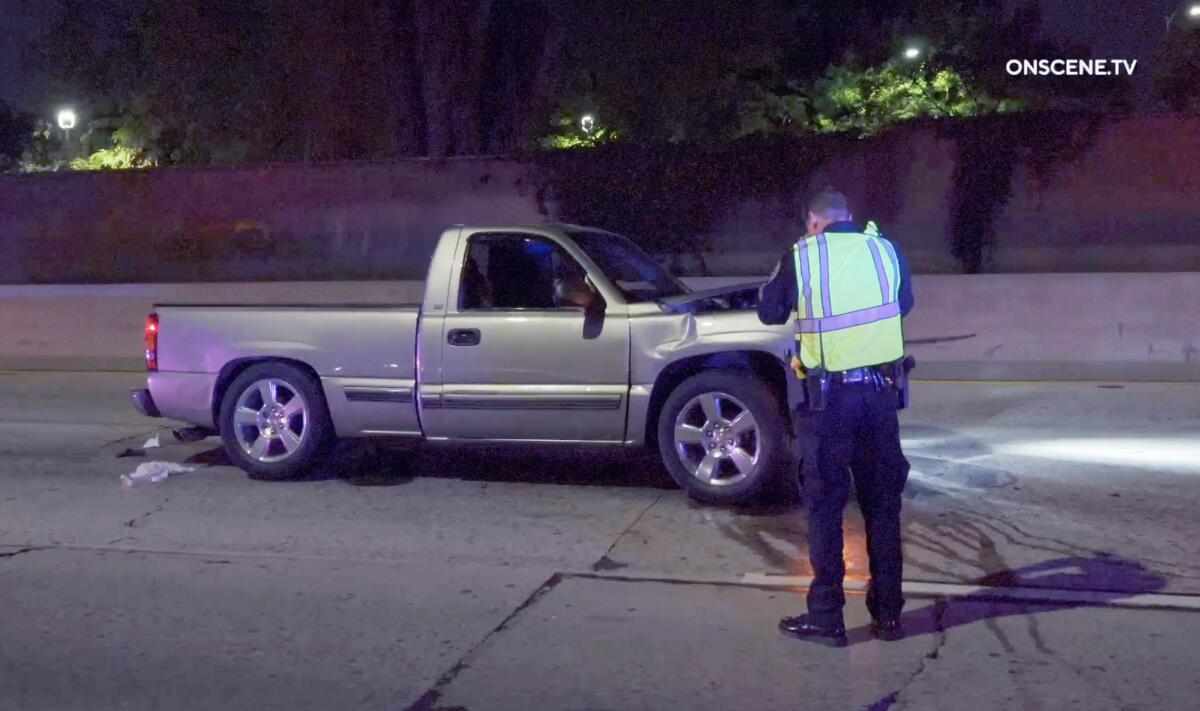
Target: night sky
(1123,29)
(20,20)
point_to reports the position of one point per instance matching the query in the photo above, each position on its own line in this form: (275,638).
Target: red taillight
(152,342)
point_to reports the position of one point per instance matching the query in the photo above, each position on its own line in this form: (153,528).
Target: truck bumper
(143,402)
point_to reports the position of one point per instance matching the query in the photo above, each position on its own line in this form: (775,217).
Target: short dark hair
(827,201)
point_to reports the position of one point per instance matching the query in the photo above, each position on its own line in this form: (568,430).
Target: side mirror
(572,292)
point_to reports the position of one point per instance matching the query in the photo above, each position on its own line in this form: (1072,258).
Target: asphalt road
(1053,560)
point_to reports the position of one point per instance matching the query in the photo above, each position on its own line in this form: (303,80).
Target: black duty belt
(858,375)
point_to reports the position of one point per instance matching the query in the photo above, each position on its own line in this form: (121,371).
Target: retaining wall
(1129,203)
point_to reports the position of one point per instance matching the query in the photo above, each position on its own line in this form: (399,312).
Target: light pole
(66,121)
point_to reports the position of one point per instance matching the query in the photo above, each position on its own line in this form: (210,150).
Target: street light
(1192,15)
(66,119)
(915,49)
(587,123)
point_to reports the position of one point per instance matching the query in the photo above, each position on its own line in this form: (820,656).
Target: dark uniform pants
(859,432)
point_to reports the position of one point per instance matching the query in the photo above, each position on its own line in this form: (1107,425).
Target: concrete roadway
(1052,547)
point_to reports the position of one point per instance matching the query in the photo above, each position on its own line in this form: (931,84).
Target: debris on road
(141,452)
(191,434)
(153,473)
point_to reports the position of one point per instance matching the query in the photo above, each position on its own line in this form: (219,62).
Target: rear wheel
(274,421)
(722,436)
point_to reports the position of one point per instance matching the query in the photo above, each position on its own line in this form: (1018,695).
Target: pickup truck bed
(365,356)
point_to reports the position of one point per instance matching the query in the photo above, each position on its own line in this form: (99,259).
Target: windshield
(631,270)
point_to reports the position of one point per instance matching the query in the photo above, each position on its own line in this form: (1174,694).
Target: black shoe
(804,628)
(888,630)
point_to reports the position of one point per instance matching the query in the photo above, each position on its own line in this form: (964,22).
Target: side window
(504,271)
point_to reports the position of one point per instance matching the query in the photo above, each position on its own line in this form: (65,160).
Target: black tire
(733,485)
(315,426)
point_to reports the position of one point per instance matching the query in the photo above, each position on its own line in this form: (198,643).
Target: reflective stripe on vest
(848,309)
(850,320)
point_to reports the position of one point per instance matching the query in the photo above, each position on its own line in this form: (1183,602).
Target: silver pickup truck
(538,334)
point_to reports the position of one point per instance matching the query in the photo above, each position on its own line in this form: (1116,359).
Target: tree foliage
(871,100)
(682,84)
(308,80)
(867,101)
(977,37)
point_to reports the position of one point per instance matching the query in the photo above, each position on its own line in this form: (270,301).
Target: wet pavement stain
(753,538)
(606,563)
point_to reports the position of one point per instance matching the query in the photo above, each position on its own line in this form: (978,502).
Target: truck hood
(724,313)
(735,296)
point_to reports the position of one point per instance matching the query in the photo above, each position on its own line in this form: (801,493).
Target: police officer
(847,288)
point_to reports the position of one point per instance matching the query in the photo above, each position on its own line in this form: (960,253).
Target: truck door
(515,366)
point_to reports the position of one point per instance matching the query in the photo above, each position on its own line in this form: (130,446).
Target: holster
(900,370)
(816,389)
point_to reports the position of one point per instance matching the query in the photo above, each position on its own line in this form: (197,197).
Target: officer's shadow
(1059,584)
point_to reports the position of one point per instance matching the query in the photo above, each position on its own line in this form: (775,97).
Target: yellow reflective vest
(848,312)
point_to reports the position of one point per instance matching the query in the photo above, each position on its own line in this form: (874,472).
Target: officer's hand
(798,367)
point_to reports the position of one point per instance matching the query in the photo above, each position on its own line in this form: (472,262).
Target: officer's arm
(777,298)
(906,292)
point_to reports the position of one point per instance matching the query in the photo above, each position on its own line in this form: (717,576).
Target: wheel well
(763,365)
(235,368)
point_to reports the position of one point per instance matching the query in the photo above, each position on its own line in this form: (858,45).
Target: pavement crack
(429,700)
(606,562)
(141,520)
(939,616)
(13,554)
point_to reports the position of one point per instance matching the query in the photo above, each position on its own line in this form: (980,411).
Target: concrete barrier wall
(100,327)
(256,223)
(1129,203)
(1017,326)
(1058,326)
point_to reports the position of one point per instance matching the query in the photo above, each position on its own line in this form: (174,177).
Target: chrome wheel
(270,420)
(717,439)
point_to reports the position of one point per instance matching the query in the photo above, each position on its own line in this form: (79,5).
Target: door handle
(463,337)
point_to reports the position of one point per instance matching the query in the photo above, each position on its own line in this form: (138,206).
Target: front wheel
(722,436)
(274,421)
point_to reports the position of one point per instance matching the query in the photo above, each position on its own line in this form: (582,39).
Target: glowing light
(587,123)
(1180,455)
(66,119)
(1194,11)
(912,53)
